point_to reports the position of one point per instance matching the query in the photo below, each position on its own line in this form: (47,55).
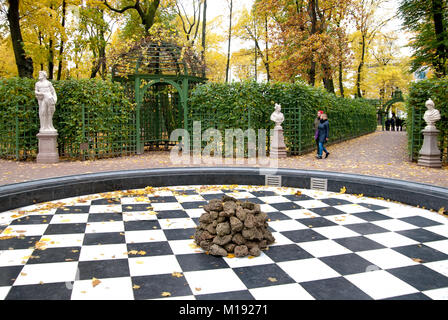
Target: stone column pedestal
(429,155)
(278,147)
(48,147)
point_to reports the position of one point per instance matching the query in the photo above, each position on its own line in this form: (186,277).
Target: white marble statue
(46,96)
(277,115)
(431,115)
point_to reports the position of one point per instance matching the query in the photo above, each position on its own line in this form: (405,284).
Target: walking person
(316,132)
(323,134)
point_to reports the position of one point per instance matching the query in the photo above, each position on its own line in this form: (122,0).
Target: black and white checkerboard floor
(138,245)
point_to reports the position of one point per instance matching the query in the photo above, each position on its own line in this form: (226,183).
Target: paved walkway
(382,153)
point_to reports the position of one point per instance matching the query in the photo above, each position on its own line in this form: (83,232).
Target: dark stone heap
(232,226)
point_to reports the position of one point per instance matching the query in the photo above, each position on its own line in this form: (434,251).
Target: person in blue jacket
(323,134)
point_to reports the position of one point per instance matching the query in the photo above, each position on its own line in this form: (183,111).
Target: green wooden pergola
(159,77)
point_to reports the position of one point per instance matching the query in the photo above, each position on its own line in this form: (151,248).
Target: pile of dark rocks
(231,226)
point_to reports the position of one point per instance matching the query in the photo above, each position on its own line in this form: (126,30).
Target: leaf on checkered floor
(95,282)
(166,294)
(177,274)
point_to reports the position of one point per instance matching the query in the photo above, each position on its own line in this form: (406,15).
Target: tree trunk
(24,63)
(313,15)
(341,84)
(266,64)
(204,28)
(360,67)
(228,47)
(61,49)
(50,54)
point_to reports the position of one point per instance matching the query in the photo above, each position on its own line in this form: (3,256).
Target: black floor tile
(326,211)
(360,243)
(303,235)
(141,225)
(194,204)
(420,251)
(50,255)
(105,217)
(420,221)
(19,242)
(152,287)
(156,248)
(162,199)
(275,215)
(371,216)
(262,276)
(335,201)
(101,269)
(46,291)
(347,264)
(316,222)
(196,262)
(287,252)
(172,214)
(285,206)
(179,234)
(421,235)
(65,228)
(73,209)
(334,289)
(34,219)
(104,238)
(231,295)
(420,277)
(9,274)
(365,228)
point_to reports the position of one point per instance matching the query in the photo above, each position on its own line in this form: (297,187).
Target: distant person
(393,121)
(316,132)
(323,130)
(399,124)
(387,124)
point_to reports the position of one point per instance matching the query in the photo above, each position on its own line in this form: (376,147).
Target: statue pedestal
(429,155)
(48,147)
(278,147)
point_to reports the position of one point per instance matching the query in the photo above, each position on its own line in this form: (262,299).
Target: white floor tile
(308,270)
(213,281)
(380,284)
(292,291)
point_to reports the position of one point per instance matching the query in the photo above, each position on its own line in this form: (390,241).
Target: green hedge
(419,93)
(94,119)
(249,105)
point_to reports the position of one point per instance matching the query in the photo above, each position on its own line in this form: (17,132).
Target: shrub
(249,105)
(419,93)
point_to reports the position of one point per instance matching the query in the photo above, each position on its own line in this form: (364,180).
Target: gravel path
(382,153)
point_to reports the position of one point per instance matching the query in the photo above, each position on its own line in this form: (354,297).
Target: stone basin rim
(21,194)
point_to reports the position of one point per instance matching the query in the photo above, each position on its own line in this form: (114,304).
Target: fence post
(17,132)
(300,129)
(412,134)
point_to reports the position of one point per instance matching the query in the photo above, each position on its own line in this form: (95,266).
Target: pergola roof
(149,57)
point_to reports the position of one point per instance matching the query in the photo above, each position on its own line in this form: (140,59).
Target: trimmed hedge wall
(249,105)
(94,119)
(419,93)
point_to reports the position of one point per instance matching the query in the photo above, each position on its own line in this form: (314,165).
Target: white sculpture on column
(429,155)
(47,98)
(278,147)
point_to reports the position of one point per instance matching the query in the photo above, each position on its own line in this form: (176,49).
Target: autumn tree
(23,61)
(428,20)
(146,10)
(368,25)
(253,27)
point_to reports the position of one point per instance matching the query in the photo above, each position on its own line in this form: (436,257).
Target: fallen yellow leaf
(166,294)
(177,274)
(272,279)
(95,282)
